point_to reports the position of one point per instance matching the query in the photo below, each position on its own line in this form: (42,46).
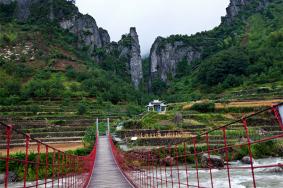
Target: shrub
(82,109)
(133,124)
(204,107)
(33,108)
(90,136)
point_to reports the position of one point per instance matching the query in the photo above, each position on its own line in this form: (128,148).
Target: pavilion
(157,106)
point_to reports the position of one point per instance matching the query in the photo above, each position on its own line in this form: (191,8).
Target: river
(240,178)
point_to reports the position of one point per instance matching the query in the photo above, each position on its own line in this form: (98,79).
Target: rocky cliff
(67,15)
(135,59)
(166,53)
(165,56)
(236,6)
(129,49)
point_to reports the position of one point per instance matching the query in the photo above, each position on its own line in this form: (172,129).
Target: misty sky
(154,18)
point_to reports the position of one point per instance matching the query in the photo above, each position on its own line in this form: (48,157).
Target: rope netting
(33,163)
(212,159)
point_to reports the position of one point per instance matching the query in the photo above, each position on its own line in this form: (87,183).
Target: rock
(169,160)
(274,170)
(178,118)
(135,59)
(11,178)
(129,51)
(246,160)
(165,56)
(236,6)
(214,162)
(83,26)
(104,36)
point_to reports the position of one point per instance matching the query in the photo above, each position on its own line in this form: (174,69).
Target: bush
(82,109)
(90,136)
(133,124)
(204,107)
(33,108)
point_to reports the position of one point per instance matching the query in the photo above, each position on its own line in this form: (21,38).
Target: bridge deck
(106,173)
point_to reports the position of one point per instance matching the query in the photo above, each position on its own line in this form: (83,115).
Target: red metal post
(53,171)
(245,124)
(68,171)
(165,167)
(186,165)
(196,158)
(8,141)
(171,169)
(149,175)
(26,160)
(209,160)
(37,163)
(278,117)
(177,163)
(58,168)
(227,156)
(63,169)
(160,168)
(46,166)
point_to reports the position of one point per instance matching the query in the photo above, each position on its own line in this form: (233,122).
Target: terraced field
(195,123)
(54,122)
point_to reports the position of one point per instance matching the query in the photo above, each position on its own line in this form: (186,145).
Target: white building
(157,106)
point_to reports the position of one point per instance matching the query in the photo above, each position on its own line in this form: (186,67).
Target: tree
(215,70)
(183,68)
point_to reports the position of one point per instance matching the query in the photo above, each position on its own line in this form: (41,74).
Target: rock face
(83,26)
(165,56)
(236,6)
(135,59)
(128,50)
(104,36)
(214,162)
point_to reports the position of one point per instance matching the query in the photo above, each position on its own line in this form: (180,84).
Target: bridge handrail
(151,168)
(56,167)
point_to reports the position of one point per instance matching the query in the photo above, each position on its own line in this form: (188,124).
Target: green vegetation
(235,57)
(203,107)
(19,167)
(261,150)
(39,60)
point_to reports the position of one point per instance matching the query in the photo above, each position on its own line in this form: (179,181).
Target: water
(240,178)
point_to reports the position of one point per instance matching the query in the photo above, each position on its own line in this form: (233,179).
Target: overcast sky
(154,18)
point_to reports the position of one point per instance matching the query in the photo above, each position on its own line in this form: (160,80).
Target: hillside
(59,72)
(50,50)
(241,58)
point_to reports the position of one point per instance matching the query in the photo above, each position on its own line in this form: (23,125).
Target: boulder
(11,178)
(214,162)
(274,170)
(168,160)
(247,160)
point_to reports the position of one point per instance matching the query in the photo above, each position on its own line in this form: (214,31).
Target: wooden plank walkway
(106,173)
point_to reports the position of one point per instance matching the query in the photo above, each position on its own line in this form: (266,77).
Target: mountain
(244,52)
(50,50)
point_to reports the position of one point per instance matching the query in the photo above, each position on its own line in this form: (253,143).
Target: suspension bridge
(189,164)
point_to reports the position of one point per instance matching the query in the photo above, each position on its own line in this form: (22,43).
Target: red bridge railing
(41,165)
(211,159)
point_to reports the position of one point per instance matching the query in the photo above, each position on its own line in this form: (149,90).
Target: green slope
(244,55)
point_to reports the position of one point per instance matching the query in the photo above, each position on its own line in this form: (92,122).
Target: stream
(240,178)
